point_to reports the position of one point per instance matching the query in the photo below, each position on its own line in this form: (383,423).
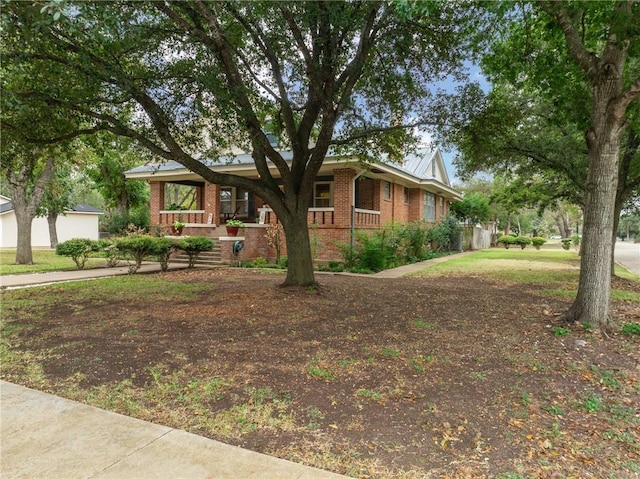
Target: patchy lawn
(43,261)
(454,374)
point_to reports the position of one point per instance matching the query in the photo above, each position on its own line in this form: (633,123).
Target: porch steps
(205,259)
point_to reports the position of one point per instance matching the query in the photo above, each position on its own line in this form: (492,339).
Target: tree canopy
(195,80)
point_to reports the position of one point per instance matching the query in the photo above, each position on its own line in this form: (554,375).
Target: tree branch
(587,60)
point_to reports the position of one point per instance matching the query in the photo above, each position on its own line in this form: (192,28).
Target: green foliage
(139,247)
(507,240)
(396,245)
(474,208)
(194,245)
(560,331)
(538,241)
(118,224)
(109,250)
(236,223)
(375,64)
(523,241)
(631,329)
(445,235)
(162,250)
(566,243)
(78,249)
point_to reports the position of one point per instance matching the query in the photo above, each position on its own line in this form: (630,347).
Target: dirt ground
(452,376)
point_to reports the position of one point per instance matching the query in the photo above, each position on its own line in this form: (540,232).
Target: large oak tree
(192,80)
(566,51)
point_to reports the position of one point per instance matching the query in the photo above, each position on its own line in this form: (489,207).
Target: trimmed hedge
(78,249)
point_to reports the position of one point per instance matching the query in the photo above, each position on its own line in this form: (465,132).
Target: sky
(475,74)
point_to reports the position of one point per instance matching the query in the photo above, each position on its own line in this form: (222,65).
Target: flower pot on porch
(176,231)
(232,230)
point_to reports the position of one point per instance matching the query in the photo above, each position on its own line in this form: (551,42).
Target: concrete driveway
(628,255)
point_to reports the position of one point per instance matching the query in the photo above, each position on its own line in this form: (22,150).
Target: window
(387,190)
(234,201)
(406,195)
(429,206)
(323,194)
(441,206)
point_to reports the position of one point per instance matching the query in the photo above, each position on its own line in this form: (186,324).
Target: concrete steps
(205,259)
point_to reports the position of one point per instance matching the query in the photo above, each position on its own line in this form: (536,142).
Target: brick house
(345,197)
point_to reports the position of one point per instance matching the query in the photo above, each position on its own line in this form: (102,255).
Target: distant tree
(110,156)
(473,208)
(57,198)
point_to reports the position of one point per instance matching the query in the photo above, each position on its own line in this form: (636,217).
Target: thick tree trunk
(24,218)
(299,261)
(592,304)
(53,232)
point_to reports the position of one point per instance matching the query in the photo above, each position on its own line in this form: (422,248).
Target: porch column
(343,196)
(156,201)
(211,203)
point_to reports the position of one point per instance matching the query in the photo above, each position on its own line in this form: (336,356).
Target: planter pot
(233,230)
(176,231)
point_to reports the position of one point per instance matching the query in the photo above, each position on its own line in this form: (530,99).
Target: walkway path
(44,436)
(34,279)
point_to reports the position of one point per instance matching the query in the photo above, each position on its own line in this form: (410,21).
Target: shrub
(139,247)
(77,249)
(445,235)
(110,251)
(523,241)
(193,246)
(506,240)
(566,243)
(118,224)
(414,238)
(538,241)
(163,248)
(575,240)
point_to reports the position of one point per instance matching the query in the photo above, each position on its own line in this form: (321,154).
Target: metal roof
(413,164)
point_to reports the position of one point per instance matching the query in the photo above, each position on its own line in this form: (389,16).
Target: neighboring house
(79,222)
(345,197)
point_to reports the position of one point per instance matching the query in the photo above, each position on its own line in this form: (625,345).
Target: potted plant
(176,227)
(233,226)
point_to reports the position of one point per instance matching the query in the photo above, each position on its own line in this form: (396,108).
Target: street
(628,254)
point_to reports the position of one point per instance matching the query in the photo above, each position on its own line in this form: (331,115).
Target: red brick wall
(342,196)
(367,198)
(211,202)
(415,204)
(156,201)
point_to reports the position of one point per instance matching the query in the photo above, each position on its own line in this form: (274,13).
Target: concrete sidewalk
(34,279)
(47,436)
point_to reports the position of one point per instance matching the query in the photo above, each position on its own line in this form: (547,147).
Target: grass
(44,261)
(558,269)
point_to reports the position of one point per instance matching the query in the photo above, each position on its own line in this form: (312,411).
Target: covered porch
(339,200)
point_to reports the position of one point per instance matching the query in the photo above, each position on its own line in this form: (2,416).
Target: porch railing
(321,216)
(366,217)
(167,217)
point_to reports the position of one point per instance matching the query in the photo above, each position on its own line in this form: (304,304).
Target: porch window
(234,201)
(429,206)
(441,206)
(387,190)
(323,194)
